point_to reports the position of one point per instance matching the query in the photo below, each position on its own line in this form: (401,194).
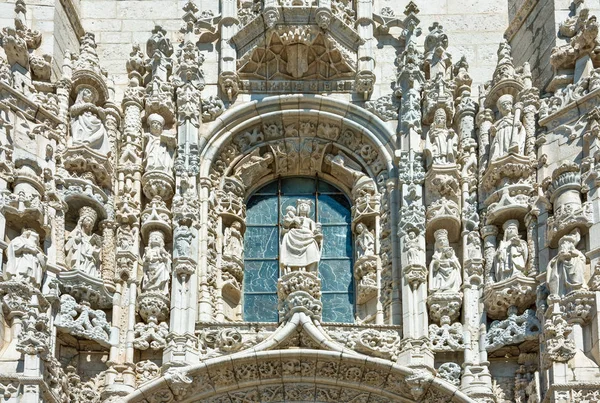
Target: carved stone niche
(563,190)
(23,206)
(442,196)
(89,149)
(507,186)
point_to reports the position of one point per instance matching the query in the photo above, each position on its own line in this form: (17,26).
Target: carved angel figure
(87,127)
(444,269)
(157,265)
(512,252)
(83,248)
(442,141)
(507,133)
(414,250)
(565,270)
(365,241)
(158,157)
(234,241)
(302,240)
(26,261)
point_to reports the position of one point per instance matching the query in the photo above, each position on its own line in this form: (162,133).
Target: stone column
(229,23)
(205,307)
(365,78)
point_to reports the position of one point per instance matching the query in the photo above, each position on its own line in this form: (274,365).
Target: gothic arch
(297,375)
(295,136)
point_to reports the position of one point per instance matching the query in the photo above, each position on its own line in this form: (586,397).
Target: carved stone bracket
(85,289)
(444,306)
(153,306)
(415,274)
(518,291)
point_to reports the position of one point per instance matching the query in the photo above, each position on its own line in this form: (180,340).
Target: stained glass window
(265,210)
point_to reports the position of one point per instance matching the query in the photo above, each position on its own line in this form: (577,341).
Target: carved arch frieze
(269,377)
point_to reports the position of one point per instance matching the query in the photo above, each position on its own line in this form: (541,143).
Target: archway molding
(297,375)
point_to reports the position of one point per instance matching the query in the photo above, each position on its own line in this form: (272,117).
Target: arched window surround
(265,210)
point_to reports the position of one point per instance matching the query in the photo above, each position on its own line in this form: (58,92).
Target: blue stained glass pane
(336,275)
(262,210)
(325,187)
(333,209)
(261,276)
(337,241)
(261,242)
(298,186)
(338,308)
(260,308)
(270,188)
(291,201)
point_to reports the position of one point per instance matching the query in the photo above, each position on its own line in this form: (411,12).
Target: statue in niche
(444,269)
(157,265)
(507,133)
(158,157)
(302,240)
(473,245)
(183,240)
(234,241)
(86,125)
(26,261)
(365,241)
(413,249)
(565,270)
(83,248)
(511,256)
(443,141)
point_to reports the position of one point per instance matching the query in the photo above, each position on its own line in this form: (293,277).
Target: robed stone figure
(302,240)
(566,269)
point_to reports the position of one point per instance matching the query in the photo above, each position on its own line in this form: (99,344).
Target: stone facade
(431,172)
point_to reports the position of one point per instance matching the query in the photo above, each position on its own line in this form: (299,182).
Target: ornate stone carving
(565,271)
(444,269)
(82,321)
(26,260)
(151,335)
(83,247)
(559,348)
(508,133)
(301,243)
(582,29)
(146,371)
(443,142)
(513,330)
(87,127)
(447,337)
(437,60)
(511,255)
(450,371)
